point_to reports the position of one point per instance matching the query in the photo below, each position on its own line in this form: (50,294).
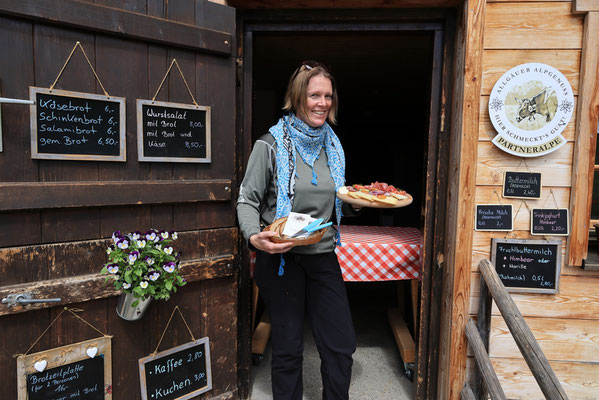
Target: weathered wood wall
(565,324)
(55,216)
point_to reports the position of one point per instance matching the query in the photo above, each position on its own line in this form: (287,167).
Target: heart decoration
(92,351)
(40,365)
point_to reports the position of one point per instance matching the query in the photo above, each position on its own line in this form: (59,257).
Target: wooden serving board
(372,203)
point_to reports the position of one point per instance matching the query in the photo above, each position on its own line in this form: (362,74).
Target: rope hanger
(182,76)
(166,327)
(78,44)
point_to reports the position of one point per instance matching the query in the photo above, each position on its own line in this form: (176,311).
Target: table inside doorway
(371,254)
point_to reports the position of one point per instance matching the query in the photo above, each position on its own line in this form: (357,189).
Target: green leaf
(168,285)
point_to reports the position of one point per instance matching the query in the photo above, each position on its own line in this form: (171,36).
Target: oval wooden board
(372,203)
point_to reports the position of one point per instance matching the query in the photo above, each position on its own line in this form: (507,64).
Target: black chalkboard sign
(82,379)
(76,126)
(528,265)
(494,217)
(522,185)
(179,373)
(173,132)
(550,222)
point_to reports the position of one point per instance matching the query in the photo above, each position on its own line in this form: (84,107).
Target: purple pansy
(133,257)
(143,284)
(151,236)
(154,276)
(169,267)
(174,235)
(126,285)
(123,244)
(149,260)
(113,268)
(164,234)
(168,250)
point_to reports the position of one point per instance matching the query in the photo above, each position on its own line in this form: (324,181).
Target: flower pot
(125,311)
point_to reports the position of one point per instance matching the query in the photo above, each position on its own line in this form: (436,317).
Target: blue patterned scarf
(293,136)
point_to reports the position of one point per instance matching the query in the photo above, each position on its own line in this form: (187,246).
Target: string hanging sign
(67,125)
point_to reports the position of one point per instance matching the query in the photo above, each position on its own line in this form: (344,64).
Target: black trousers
(312,285)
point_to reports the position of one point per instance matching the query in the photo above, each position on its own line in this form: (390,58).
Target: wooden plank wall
(41,244)
(566,324)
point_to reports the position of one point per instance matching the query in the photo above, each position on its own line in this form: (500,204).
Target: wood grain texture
(305,4)
(555,167)
(584,151)
(573,340)
(528,345)
(578,298)
(121,22)
(548,25)
(579,380)
(584,6)
(461,189)
(489,377)
(488,132)
(497,62)
(37,195)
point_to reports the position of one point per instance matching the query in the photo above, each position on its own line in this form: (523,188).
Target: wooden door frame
(441,135)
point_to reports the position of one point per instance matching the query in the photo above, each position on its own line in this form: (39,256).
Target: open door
(57,216)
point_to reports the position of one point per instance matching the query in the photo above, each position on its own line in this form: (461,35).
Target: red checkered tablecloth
(379,253)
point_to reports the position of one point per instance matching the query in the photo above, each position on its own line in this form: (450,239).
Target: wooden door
(56,216)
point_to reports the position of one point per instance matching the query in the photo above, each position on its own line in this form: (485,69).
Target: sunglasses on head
(309,64)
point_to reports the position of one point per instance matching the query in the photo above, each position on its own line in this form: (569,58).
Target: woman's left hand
(262,241)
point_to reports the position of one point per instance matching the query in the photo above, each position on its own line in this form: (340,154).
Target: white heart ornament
(40,365)
(92,351)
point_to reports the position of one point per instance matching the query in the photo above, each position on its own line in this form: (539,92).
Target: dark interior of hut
(383,81)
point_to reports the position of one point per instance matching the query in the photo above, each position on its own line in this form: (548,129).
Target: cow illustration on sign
(544,104)
(530,106)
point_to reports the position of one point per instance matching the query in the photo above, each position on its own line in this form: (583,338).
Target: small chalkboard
(173,132)
(493,217)
(549,222)
(78,371)
(179,373)
(77,126)
(528,265)
(522,185)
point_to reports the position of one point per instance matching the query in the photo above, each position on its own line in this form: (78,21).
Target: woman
(298,166)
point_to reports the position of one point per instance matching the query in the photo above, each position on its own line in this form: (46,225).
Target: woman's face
(319,99)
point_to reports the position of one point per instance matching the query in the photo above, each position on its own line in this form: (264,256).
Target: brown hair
(295,96)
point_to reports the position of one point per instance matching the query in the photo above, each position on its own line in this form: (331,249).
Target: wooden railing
(486,381)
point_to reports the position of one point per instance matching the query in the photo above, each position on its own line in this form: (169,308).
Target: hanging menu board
(179,373)
(522,185)
(493,217)
(550,222)
(528,265)
(78,371)
(173,132)
(76,126)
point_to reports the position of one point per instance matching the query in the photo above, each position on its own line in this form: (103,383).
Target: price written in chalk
(180,372)
(77,126)
(549,222)
(494,217)
(173,132)
(527,265)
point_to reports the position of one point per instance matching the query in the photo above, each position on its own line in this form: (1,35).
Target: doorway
(389,80)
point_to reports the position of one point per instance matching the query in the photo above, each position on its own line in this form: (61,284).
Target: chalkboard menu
(179,373)
(80,370)
(173,132)
(522,185)
(550,222)
(79,380)
(493,217)
(76,126)
(528,265)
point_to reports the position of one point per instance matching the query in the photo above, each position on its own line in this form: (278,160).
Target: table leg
(415,300)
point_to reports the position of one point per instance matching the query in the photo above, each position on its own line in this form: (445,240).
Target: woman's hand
(261,241)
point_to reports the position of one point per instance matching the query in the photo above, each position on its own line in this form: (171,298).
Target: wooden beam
(403,338)
(528,345)
(89,16)
(583,6)
(41,195)
(321,4)
(462,187)
(467,393)
(489,377)
(83,288)
(584,148)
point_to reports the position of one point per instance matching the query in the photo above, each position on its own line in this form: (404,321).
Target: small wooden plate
(373,203)
(279,225)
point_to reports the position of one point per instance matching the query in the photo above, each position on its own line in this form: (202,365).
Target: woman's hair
(295,97)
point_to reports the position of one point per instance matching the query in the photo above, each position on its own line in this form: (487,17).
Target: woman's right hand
(262,241)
